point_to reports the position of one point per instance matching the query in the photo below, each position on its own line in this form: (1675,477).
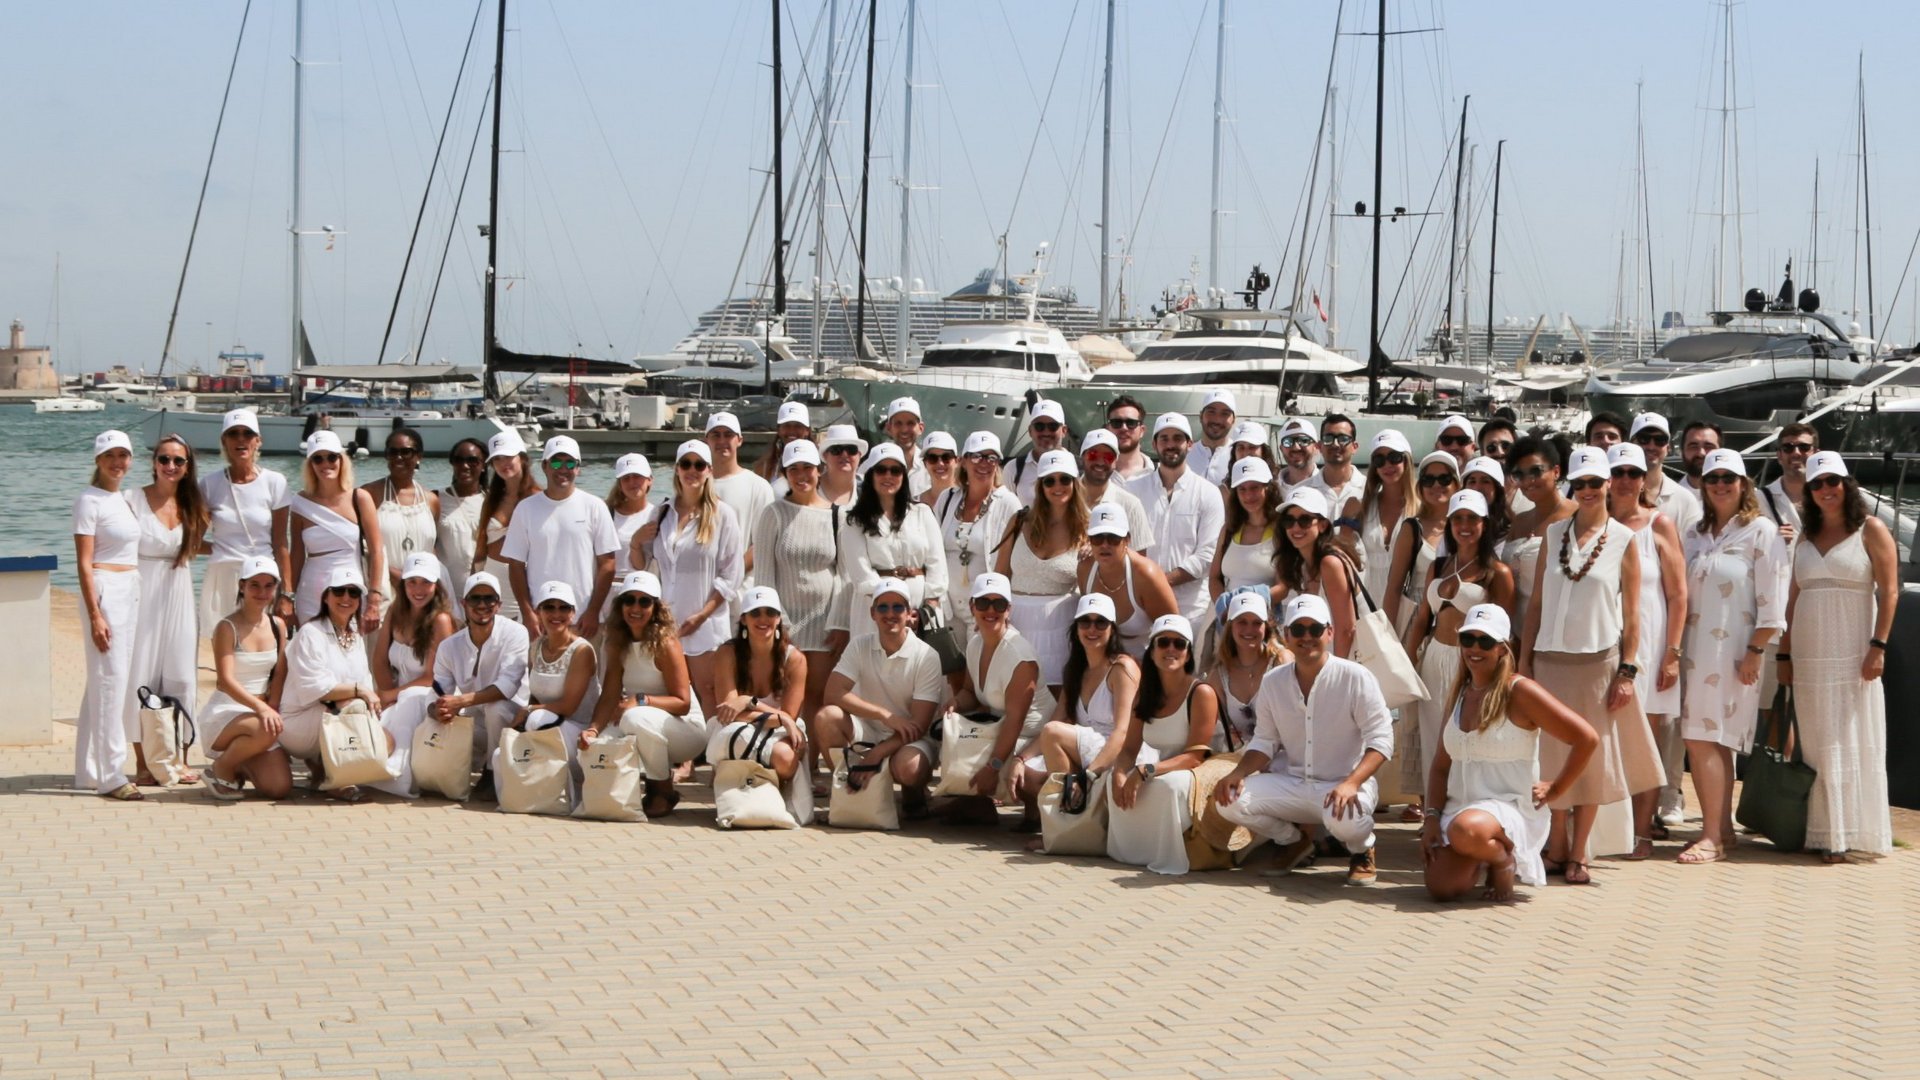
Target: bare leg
(819,668)
(1557,841)
(1713,780)
(240,742)
(271,773)
(786,760)
(1474,839)
(1583,818)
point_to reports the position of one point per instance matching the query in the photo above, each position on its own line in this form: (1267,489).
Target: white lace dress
(1843,720)
(1494,771)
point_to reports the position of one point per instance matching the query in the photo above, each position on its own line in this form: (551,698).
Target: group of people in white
(1168,647)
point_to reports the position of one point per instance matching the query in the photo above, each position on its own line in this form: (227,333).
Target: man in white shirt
(733,483)
(1211,456)
(1299,453)
(562,534)
(1780,500)
(885,691)
(1682,507)
(1046,430)
(905,427)
(1456,438)
(1321,730)
(1127,419)
(482,671)
(1185,512)
(1099,452)
(1337,479)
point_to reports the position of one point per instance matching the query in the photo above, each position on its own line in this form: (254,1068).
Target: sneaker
(1285,859)
(1360,869)
(1675,816)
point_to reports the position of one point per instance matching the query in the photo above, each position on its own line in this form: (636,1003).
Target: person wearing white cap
(333,524)
(940,455)
(1243,561)
(1040,554)
(1486,783)
(1137,587)
(481,670)
(1209,456)
(698,548)
(1846,586)
(326,668)
(410,635)
(1391,495)
(106,546)
(239,726)
(1002,679)
(1046,432)
(734,484)
(461,504)
(973,517)
(173,525)
(1250,437)
(841,449)
(1308,562)
(1300,450)
(248,516)
(1698,439)
(1175,717)
(564,534)
(629,509)
(798,538)
(1489,478)
(409,512)
(1127,419)
(761,680)
(1099,455)
(905,427)
(648,688)
(1336,478)
(1096,706)
(882,699)
(514,481)
(888,535)
(1248,646)
(1185,513)
(1582,633)
(1417,543)
(791,422)
(1467,574)
(1312,765)
(1456,439)
(562,670)
(1651,434)
(1663,620)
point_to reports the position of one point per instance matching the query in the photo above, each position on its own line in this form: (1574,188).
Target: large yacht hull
(283,434)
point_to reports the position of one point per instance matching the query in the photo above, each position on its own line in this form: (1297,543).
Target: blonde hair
(1748,509)
(706,514)
(1409,491)
(311,482)
(1493,707)
(1227,650)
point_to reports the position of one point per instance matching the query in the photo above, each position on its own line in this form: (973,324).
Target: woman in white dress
(1663,621)
(1250,646)
(798,538)
(1417,542)
(1089,720)
(1175,716)
(940,454)
(1244,559)
(166,648)
(887,535)
(695,545)
(1389,497)
(1136,584)
(409,512)
(334,525)
(1039,554)
(106,549)
(1486,772)
(1002,678)
(458,529)
(973,516)
(1309,561)
(513,482)
(1583,623)
(402,658)
(247,508)
(1846,583)
(562,671)
(1537,466)
(326,667)
(646,688)
(240,722)
(762,680)
(1737,582)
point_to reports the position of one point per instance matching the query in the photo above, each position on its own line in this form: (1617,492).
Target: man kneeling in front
(886,691)
(1321,730)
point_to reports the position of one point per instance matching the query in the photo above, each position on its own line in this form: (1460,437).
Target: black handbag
(1775,789)
(934,629)
(1076,788)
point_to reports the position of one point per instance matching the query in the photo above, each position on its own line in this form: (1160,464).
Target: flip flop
(126,793)
(1705,851)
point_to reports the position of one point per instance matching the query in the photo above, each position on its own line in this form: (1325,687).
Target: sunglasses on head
(170,460)
(344,590)
(1796,448)
(991,603)
(1652,438)
(1389,457)
(895,608)
(1587,483)
(1818,482)
(1477,642)
(1456,440)
(484,600)
(1092,622)
(692,464)
(1444,479)
(1056,480)
(1307,630)
(1720,478)
(1627,472)
(403,451)
(1173,642)
(1336,440)
(324,457)
(843,450)
(1531,472)
(639,600)
(1125,423)
(1297,521)
(467,459)
(937,457)
(562,464)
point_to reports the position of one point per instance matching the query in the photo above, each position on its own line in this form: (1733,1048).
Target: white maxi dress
(1153,832)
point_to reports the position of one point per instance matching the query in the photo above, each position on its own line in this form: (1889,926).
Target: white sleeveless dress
(1043,599)
(1494,771)
(1133,628)
(406,528)
(509,607)
(1439,667)
(1153,832)
(1843,720)
(1653,630)
(254,672)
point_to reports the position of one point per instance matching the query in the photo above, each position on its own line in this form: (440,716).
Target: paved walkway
(183,938)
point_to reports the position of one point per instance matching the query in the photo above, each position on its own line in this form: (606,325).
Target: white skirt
(1153,833)
(1527,830)
(1047,622)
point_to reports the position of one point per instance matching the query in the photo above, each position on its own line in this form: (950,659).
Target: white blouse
(915,543)
(1581,616)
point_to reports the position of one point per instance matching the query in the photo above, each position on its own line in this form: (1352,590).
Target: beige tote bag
(531,773)
(871,807)
(611,780)
(746,793)
(966,747)
(354,747)
(443,757)
(1084,833)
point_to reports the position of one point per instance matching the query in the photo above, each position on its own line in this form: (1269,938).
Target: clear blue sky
(638,130)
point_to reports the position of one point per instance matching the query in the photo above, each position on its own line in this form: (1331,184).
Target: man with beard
(1046,429)
(904,427)
(1186,513)
(791,423)
(1126,418)
(1099,451)
(1697,440)
(1456,438)
(1299,448)
(1211,456)
(1337,479)
(482,671)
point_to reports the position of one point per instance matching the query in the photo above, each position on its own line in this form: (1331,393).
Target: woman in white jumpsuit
(106,547)
(561,686)
(646,689)
(166,647)
(326,666)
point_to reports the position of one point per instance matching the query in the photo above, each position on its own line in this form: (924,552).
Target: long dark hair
(497,494)
(1854,510)
(1237,514)
(1153,694)
(866,511)
(1499,518)
(1078,663)
(423,618)
(1291,567)
(195,515)
(1486,552)
(743,659)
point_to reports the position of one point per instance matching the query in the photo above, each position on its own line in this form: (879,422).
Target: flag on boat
(1317,307)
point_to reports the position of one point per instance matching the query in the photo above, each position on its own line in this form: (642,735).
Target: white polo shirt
(893,682)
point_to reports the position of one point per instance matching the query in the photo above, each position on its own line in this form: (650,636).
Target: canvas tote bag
(966,747)
(746,793)
(871,807)
(610,780)
(531,774)
(1377,648)
(443,757)
(1083,833)
(354,747)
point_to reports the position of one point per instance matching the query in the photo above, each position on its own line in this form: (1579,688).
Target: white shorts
(872,731)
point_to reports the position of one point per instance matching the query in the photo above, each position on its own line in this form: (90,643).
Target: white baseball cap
(1627,454)
(240,418)
(939,440)
(843,435)
(255,565)
(1439,457)
(1723,460)
(1249,603)
(480,580)
(422,565)
(886,451)
(1250,470)
(761,596)
(555,590)
(1095,604)
(1100,437)
(724,420)
(793,412)
(1487,467)
(1649,420)
(1307,606)
(1469,500)
(111,440)
(694,447)
(1177,624)
(632,465)
(1220,397)
(506,443)
(1046,410)
(981,442)
(637,581)
(1300,425)
(890,585)
(799,452)
(1174,420)
(1456,422)
(1489,619)
(903,405)
(558,445)
(1251,432)
(1309,499)
(343,576)
(1825,463)
(1107,519)
(324,441)
(991,584)
(1389,439)
(1588,461)
(1058,461)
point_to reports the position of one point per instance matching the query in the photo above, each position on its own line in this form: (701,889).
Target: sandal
(187,777)
(1413,814)
(1833,858)
(349,794)
(914,807)
(1659,831)
(125,793)
(223,790)
(1701,852)
(1642,849)
(1576,873)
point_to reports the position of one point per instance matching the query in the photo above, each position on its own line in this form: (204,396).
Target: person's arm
(1531,631)
(1376,733)
(1673,586)
(1783,659)
(1155,591)
(613,695)
(589,621)
(1216,581)
(1416,634)
(1436,801)
(1885,556)
(296,559)
(1124,683)
(856,574)
(1349,513)
(377,584)
(1019,701)
(1405,543)
(1003,551)
(381,666)
(522,592)
(671,662)
(1535,708)
(1339,596)
(1203,716)
(793,693)
(1501,591)
(283,557)
(89,601)
(1257,755)
(1621,689)
(1210,520)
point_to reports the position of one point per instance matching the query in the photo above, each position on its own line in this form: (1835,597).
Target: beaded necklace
(1566,549)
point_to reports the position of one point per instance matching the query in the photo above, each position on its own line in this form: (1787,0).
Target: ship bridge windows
(1217,354)
(1004,359)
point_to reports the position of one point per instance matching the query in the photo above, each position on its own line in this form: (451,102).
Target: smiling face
(1588,491)
(1699,443)
(939,465)
(1481,654)
(1249,634)
(763,623)
(1654,443)
(990,612)
(509,467)
(983,468)
(790,431)
(1302,528)
(481,605)
(690,474)
(1308,639)
(637,611)
(1171,447)
(635,486)
(1171,652)
(1097,464)
(563,471)
(328,469)
(172,461)
(1437,483)
(343,603)
(1046,435)
(1830,495)
(1337,443)
(905,430)
(889,611)
(802,479)
(1252,496)
(842,460)
(469,462)
(1216,422)
(1626,485)
(1483,484)
(403,458)
(260,590)
(888,478)
(555,616)
(419,591)
(1058,489)
(1298,449)
(1465,527)
(1093,632)
(1793,453)
(1539,481)
(1725,490)
(240,445)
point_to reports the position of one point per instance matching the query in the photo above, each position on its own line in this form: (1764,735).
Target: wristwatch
(997,763)
(1147,770)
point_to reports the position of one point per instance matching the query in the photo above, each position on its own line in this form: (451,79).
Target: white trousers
(1274,805)
(489,721)
(1673,757)
(400,719)
(663,738)
(100,747)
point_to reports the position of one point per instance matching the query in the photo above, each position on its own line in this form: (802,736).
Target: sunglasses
(240,434)
(1172,642)
(692,464)
(1306,630)
(637,600)
(1099,457)
(1587,483)
(1337,440)
(555,605)
(1056,480)
(1123,423)
(1296,442)
(325,457)
(344,590)
(1720,478)
(403,451)
(991,603)
(1456,440)
(1389,457)
(1044,425)
(890,609)
(1297,521)
(1496,449)
(1652,438)
(888,470)
(1437,480)
(1534,472)
(1628,472)
(1796,448)
(988,458)
(484,600)
(467,459)
(169,460)
(1105,538)
(1829,480)
(937,459)
(562,464)
(1092,622)
(843,450)
(1478,642)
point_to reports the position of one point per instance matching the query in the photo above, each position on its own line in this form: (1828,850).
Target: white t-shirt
(747,492)
(893,682)
(242,523)
(560,539)
(107,516)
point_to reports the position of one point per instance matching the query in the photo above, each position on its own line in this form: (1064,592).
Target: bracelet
(1627,671)
(1877,643)
(1756,650)
(1784,656)
(1674,651)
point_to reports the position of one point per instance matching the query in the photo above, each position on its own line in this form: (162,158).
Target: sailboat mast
(1375,354)
(1493,244)
(1219,119)
(866,167)
(293,232)
(1106,166)
(1866,197)
(1646,218)
(779,209)
(903,325)
(1333,217)
(1453,253)
(820,189)
(489,329)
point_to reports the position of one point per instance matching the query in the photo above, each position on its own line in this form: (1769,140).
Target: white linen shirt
(1320,736)
(461,667)
(1679,503)
(1209,461)
(1186,524)
(1337,497)
(1779,506)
